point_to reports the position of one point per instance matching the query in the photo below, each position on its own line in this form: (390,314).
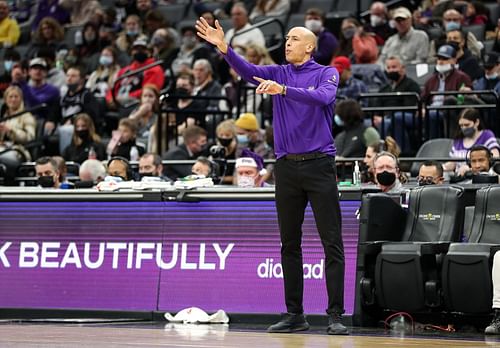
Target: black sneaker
(494,328)
(289,323)
(335,326)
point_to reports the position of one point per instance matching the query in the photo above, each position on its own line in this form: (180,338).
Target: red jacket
(133,84)
(453,82)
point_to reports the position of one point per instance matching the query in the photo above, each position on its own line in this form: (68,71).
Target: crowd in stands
(130,79)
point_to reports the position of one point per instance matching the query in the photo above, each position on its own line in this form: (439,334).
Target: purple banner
(159,256)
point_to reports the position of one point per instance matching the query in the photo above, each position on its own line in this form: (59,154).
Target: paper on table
(422,69)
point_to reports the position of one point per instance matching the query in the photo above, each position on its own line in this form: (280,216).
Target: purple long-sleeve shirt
(302,118)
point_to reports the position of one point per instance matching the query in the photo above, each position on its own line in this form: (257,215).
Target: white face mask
(375,20)
(246,181)
(491,77)
(443,68)
(314,25)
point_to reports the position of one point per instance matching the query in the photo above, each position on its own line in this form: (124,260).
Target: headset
(479,147)
(213,167)
(128,168)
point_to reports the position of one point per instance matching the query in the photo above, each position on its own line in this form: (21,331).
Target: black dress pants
(297,182)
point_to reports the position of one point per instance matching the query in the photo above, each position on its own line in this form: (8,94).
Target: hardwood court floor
(191,336)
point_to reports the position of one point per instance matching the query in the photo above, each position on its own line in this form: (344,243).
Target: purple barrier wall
(158,256)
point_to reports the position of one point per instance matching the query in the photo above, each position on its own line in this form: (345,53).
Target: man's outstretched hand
(213,35)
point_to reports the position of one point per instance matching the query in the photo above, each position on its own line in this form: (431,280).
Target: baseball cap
(140,42)
(250,159)
(38,62)
(491,59)
(446,52)
(342,63)
(401,12)
(247,121)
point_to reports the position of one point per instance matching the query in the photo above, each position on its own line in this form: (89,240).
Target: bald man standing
(304,94)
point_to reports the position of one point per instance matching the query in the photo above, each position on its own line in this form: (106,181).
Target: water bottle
(134,154)
(356,175)
(78,38)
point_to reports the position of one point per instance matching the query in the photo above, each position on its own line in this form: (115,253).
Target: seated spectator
(191,49)
(38,91)
(164,47)
(239,18)
(63,173)
(452,20)
(52,9)
(251,136)
(379,23)
(203,166)
(48,34)
(102,79)
(467,63)
(250,170)
(85,142)
(349,87)
(81,12)
(204,83)
(55,73)
(409,44)
(445,78)
(129,89)
(154,20)
(195,142)
(355,137)
(471,133)
(389,145)
(9,29)
(354,43)
(404,122)
(387,174)
(150,166)
(47,172)
(327,42)
(491,78)
(92,170)
(131,33)
(430,173)
(119,167)
(266,8)
(476,14)
(15,132)
(11,57)
(480,160)
(142,7)
(147,113)
(227,146)
(89,47)
(124,143)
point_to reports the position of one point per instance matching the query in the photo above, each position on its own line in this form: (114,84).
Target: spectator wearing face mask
(151,168)
(131,32)
(85,142)
(129,89)
(387,174)
(191,50)
(430,173)
(327,42)
(467,63)
(491,78)
(250,170)
(360,47)
(251,136)
(379,23)
(470,133)
(10,58)
(102,79)
(164,47)
(47,172)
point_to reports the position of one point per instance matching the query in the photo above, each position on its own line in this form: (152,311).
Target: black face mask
(140,56)
(225,141)
(73,87)
(142,175)
(425,182)
(181,92)
(385,178)
(392,75)
(46,181)
(82,134)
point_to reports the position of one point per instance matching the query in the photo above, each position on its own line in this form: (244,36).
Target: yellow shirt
(9,32)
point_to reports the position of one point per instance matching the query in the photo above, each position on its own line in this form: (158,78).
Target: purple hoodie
(302,118)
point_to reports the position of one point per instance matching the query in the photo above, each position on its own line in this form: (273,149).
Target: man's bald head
(300,45)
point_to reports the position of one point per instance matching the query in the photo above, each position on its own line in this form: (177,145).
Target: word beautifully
(121,255)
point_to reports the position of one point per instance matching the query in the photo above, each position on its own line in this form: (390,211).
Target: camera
(218,151)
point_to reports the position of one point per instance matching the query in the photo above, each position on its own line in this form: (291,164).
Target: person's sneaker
(494,327)
(335,326)
(289,323)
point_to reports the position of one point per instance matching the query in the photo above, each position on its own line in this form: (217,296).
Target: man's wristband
(283,91)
